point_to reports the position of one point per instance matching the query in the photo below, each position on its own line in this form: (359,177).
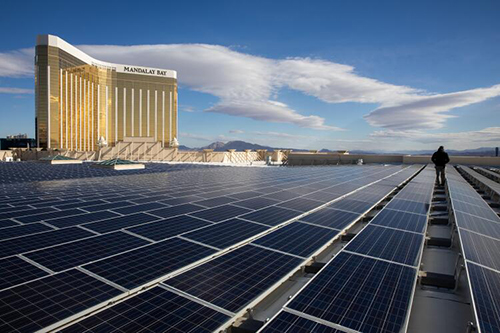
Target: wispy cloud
(459,140)
(187,108)
(17,91)
(248,85)
(236,131)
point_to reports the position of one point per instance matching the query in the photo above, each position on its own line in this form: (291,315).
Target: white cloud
(427,112)
(459,140)
(17,91)
(237,131)
(248,85)
(18,63)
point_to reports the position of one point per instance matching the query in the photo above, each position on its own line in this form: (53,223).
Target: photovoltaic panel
(400,220)
(298,238)
(350,205)
(155,310)
(220,213)
(167,228)
(322,196)
(486,294)
(256,203)
(215,201)
(181,200)
(286,322)
(81,219)
(20,213)
(235,279)
(139,208)
(300,204)
(116,223)
(409,206)
(151,199)
(481,249)
(227,233)
(106,206)
(140,266)
(477,224)
(332,218)
(32,242)
(4,223)
(245,195)
(22,230)
(485,212)
(282,195)
(176,210)
(394,245)
(359,293)
(40,303)
(77,253)
(47,216)
(271,216)
(14,270)
(69,204)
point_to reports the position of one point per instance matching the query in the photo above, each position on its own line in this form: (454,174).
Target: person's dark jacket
(440,158)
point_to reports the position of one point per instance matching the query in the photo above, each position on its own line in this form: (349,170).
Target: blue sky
(386,75)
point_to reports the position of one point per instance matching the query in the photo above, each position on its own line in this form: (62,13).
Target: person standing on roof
(440,159)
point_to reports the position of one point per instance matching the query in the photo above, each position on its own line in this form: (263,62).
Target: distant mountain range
(242,145)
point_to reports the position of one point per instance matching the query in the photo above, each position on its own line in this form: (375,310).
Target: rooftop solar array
(492,185)
(479,230)
(368,286)
(119,234)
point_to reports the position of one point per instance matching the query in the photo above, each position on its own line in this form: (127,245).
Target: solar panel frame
(232,281)
(150,263)
(298,238)
(155,310)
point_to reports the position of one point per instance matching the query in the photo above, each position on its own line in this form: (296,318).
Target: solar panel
(477,224)
(22,230)
(116,223)
(78,204)
(79,252)
(37,241)
(400,220)
(40,303)
(481,249)
(176,210)
(331,218)
(106,206)
(140,266)
(271,215)
(409,206)
(286,322)
(486,295)
(298,238)
(393,245)
(256,203)
(215,201)
(301,204)
(354,206)
(139,208)
(359,293)
(81,219)
(245,195)
(4,223)
(235,279)
(225,234)
(155,310)
(181,200)
(20,213)
(220,213)
(167,228)
(14,270)
(485,211)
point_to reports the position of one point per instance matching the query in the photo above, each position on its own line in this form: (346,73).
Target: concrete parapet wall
(329,159)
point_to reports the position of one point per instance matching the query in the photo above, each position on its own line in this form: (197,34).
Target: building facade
(81,102)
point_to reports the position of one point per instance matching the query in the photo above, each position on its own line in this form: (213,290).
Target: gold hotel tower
(80,100)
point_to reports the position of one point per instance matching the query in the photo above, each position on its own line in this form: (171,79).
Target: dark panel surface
(236,278)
